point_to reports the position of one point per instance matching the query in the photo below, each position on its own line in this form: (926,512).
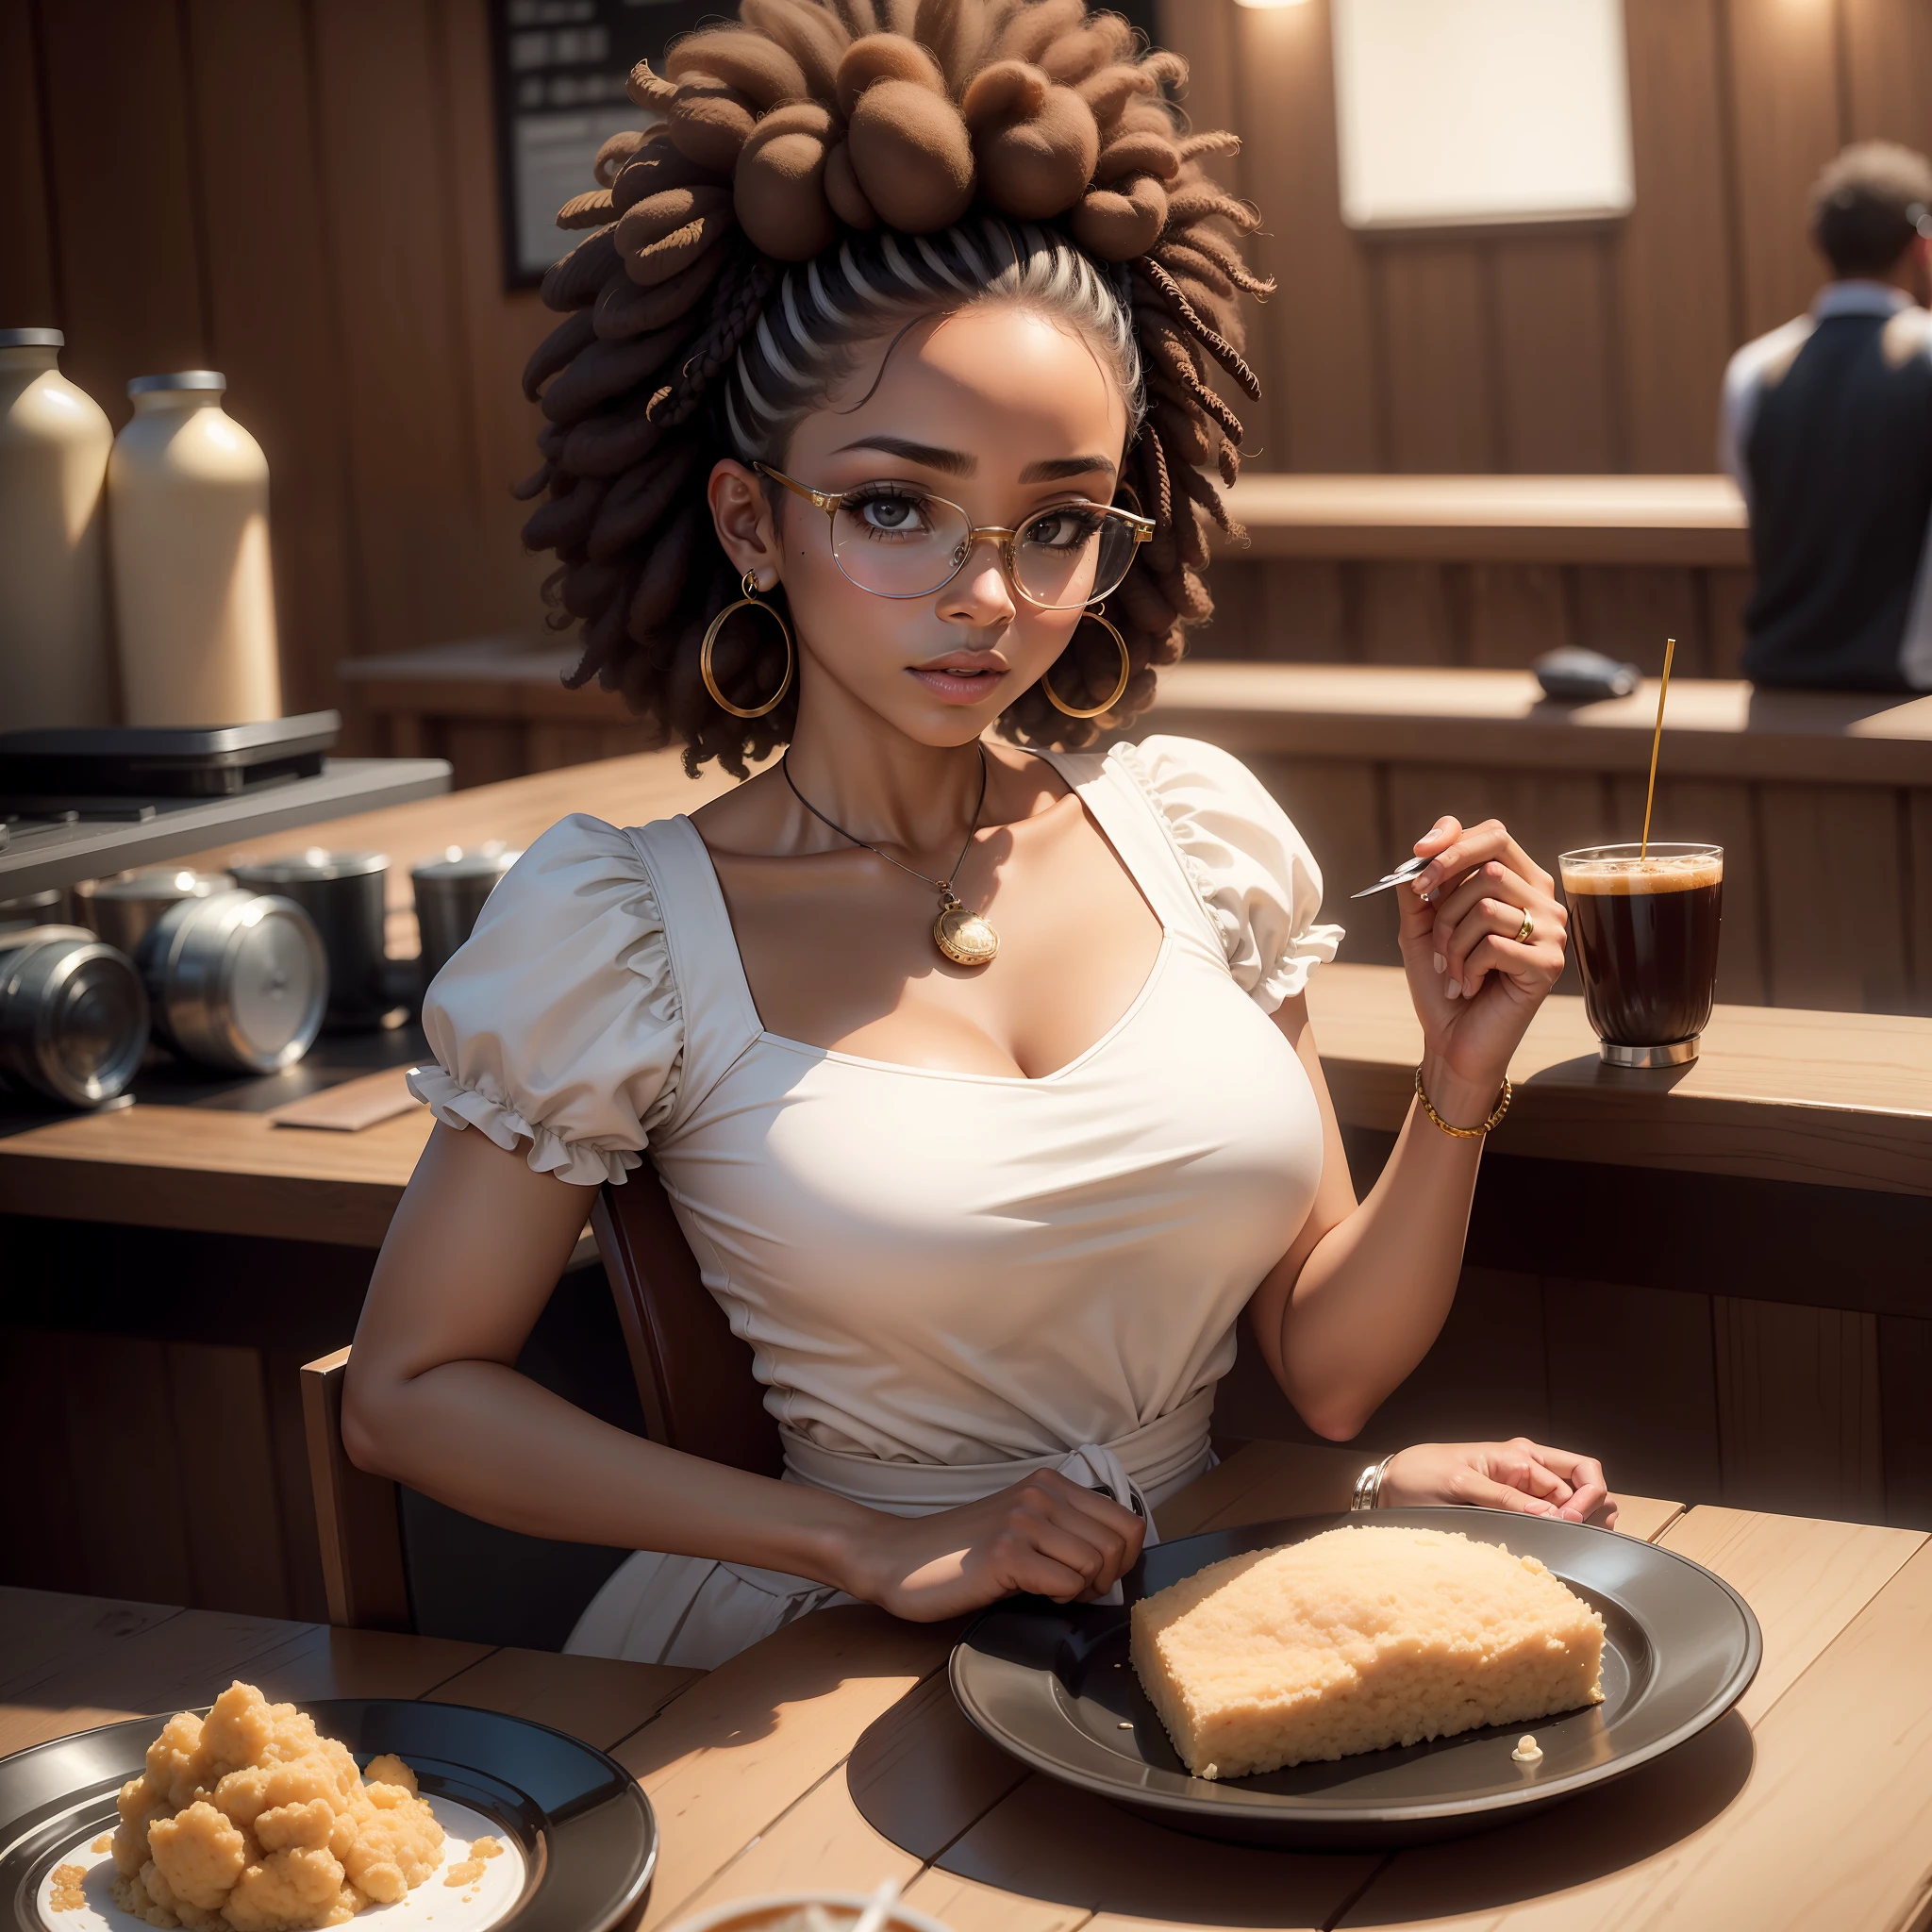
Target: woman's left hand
(1475,985)
(1522,1476)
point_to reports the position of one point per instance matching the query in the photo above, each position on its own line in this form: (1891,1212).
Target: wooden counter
(1828,1099)
(1822,801)
(1712,1275)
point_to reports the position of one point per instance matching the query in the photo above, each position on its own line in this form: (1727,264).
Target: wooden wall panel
(1514,612)
(1725,592)
(313,206)
(391,181)
(1918,871)
(1849,835)
(1337,806)
(1436,374)
(1317,332)
(1784,101)
(1628,614)
(1887,49)
(132,298)
(1904,1370)
(1485,1377)
(39,1507)
(503,329)
(27,297)
(1633,1382)
(272,312)
(1798,1409)
(124,1455)
(1677,314)
(1554,367)
(232,1521)
(1406,614)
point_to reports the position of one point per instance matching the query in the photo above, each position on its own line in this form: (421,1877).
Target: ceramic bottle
(57,663)
(194,589)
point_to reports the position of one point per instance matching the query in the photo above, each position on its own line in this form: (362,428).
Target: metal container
(74,1020)
(450,892)
(46,907)
(123,908)
(238,980)
(342,893)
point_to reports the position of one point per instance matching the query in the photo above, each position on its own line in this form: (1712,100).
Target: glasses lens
(898,543)
(1071,554)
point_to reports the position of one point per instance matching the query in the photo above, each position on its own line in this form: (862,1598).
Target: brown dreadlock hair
(822,167)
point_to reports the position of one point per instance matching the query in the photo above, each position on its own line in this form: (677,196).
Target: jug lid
(179,378)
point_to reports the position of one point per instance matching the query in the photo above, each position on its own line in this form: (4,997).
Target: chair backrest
(693,1375)
(357,1514)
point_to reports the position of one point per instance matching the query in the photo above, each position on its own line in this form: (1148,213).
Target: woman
(977,1065)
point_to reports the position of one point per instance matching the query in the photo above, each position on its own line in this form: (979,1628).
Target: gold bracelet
(1488,1126)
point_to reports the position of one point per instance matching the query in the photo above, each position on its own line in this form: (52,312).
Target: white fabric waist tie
(1139,1470)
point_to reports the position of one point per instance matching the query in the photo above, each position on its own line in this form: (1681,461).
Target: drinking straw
(1657,738)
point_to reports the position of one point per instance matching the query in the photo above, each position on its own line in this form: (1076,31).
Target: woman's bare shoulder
(747,820)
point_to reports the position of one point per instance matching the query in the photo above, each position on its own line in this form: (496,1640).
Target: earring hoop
(1113,697)
(750,588)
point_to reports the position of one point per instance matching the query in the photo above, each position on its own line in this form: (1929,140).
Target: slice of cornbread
(1357,1639)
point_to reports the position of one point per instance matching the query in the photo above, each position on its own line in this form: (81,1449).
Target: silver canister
(237,980)
(122,910)
(73,1019)
(342,893)
(450,892)
(47,907)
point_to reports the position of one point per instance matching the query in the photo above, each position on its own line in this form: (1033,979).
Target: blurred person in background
(1827,429)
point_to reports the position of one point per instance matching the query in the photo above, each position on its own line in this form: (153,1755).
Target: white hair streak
(878,281)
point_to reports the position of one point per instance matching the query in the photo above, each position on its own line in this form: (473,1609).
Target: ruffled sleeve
(1252,869)
(558,1023)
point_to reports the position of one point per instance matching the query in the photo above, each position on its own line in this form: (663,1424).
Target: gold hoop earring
(1113,697)
(750,588)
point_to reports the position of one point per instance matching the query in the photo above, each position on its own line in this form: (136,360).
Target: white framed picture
(1471,113)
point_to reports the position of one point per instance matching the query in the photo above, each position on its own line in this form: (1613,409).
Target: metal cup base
(1675,1053)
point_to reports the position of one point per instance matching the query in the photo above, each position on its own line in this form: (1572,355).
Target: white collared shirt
(1744,384)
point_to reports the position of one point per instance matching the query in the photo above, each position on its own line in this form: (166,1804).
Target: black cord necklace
(965,938)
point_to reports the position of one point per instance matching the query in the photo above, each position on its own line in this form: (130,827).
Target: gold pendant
(963,937)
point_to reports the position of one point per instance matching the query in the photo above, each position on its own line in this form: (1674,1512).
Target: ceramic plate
(578,1835)
(1052,1684)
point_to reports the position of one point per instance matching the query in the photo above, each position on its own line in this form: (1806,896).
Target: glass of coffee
(1646,946)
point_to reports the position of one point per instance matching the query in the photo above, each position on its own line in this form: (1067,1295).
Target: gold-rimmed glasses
(897,539)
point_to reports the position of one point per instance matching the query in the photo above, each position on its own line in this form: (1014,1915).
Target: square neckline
(761,1033)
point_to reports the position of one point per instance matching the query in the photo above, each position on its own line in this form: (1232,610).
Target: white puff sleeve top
(559,1023)
(931,1267)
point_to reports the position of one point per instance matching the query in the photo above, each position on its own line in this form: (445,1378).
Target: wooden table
(832,1754)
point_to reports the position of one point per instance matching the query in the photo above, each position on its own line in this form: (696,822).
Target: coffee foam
(1606,878)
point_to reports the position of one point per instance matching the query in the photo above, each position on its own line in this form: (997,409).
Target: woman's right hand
(1046,1535)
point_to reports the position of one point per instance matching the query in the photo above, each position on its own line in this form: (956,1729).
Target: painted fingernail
(1453,989)
(1439,961)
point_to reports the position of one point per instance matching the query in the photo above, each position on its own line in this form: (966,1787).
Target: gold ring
(1528,931)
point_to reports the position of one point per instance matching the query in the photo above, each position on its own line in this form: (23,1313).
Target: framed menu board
(558,69)
(561,66)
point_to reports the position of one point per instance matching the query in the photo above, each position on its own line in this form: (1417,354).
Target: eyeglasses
(896,539)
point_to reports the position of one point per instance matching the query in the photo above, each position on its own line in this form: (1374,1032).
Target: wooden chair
(693,1379)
